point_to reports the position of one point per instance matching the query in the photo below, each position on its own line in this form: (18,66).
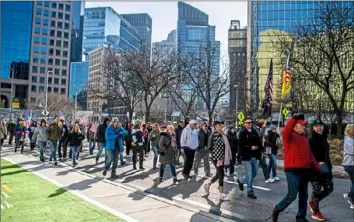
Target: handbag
(324,166)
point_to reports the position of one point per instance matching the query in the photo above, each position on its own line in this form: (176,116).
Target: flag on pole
(268,93)
(286,85)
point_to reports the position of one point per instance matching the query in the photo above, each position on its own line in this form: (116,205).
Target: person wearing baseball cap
(320,149)
(299,163)
(189,144)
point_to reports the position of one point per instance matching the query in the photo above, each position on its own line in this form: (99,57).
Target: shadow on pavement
(82,185)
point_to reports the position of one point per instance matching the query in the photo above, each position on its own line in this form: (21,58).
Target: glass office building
(77,31)
(265,17)
(103,25)
(79,82)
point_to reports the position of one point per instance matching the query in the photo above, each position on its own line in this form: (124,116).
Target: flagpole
(281,107)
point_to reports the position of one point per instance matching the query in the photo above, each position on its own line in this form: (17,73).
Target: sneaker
(275,215)
(50,162)
(318,216)
(252,196)
(74,165)
(122,163)
(240,185)
(276,178)
(42,160)
(114,175)
(60,159)
(134,167)
(96,162)
(209,175)
(141,168)
(55,163)
(310,203)
(302,220)
(175,181)
(104,173)
(187,177)
(347,198)
(207,188)
(128,155)
(270,180)
(224,197)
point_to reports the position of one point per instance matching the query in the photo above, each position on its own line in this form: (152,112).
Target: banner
(286,85)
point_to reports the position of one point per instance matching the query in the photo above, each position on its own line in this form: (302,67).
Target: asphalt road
(191,193)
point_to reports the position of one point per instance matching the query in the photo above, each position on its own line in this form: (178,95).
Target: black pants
(138,149)
(189,161)
(64,144)
(148,147)
(318,194)
(11,136)
(233,159)
(128,147)
(220,174)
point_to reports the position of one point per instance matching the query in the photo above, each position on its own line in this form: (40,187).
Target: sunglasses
(248,122)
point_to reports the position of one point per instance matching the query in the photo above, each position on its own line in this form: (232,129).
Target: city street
(190,195)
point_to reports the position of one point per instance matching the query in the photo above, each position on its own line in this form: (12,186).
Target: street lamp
(166,97)
(46,93)
(11,97)
(236,108)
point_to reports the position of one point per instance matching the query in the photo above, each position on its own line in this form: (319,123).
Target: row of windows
(43,50)
(41,89)
(54,24)
(42,70)
(51,61)
(54,5)
(50,80)
(53,14)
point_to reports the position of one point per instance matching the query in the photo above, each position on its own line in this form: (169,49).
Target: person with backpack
(138,145)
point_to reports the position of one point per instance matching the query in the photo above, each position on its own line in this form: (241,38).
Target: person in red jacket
(299,163)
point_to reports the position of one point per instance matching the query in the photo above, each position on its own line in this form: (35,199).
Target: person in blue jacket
(114,146)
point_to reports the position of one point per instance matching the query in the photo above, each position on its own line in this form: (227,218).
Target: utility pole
(236,108)
(75,104)
(46,94)
(11,97)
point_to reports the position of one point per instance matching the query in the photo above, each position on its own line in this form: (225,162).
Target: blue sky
(164,15)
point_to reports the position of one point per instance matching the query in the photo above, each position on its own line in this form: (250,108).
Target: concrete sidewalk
(123,201)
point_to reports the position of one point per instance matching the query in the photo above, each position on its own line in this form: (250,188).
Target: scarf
(227,157)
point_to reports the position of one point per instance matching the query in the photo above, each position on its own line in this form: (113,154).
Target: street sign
(15,105)
(45,113)
(241,116)
(285,112)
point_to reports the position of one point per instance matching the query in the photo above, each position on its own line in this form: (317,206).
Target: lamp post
(236,108)
(11,97)
(46,93)
(166,97)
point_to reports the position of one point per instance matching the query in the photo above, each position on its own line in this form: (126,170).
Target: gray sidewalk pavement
(128,203)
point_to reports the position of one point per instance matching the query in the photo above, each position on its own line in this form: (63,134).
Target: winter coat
(154,138)
(233,141)
(320,148)
(100,133)
(90,135)
(128,138)
(113,135)
(217,149)
(65,133)
(75,139)
(178,134)
(2,131)
(247,139)
(167,149)
(54,131)
(203,139)
(20,132)
(41,134)
(189,139)
(348,157)
(297,152)
(270,140)
(11,128)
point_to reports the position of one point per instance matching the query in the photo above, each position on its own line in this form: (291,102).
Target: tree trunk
(210,114)
(339,123)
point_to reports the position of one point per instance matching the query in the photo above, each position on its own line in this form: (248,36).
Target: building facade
(37,44)
(143,23)
(264,18)
(237,49)
(78,83)
(77,31)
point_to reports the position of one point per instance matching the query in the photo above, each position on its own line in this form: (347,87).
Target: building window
(46,12)
(63,81)
(66,44)
(54,5)
(67,25)
(56,90)
(39,3)
(41,79)
(57,52)
(50,61)
(44,41)
(67,8)
(34,88)
(62,90)
(57,71)
(54,14)
(38,11)
(65,63)
(52,33)
(50,80)
(36,40)
(49,89)
(44,50)
(35,69)
(38,20)
(63,72)
(45,22)
(41,88)
(65,53)
(58,43)
(57,62)
(37,30)
(34,79)
(59,34)
(60,25)
(66,35)
(35,59)
(35,49)
(51,51)
(43,60)
(52,23)
(67,17)
(61,6)
(42,70)
(46,3)
(60,15)
(51,42)
(44,31)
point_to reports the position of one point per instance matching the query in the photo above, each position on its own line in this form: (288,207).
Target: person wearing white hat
(189,144)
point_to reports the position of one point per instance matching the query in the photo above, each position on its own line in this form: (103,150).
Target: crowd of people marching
(306,155)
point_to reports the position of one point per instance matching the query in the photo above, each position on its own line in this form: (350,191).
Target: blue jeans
(265,168)
(101,146)
(272,165)
(251,171)
(156,155)
(120,156)
(74,151)
(350,171)
(111,156)
(296,184)
(42,146)
(92,146)
(173,170)
(53,150)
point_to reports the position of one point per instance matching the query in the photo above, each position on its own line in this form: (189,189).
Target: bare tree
(154,74)
(210,83)
(121,84)
(323,54)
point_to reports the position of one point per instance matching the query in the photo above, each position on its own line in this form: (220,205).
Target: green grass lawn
(35,199)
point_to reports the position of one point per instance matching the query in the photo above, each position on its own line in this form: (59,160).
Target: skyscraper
(265,17)
(237,49)
(36,39)
(79,82)
(143,23)
(103,25)
(77,31)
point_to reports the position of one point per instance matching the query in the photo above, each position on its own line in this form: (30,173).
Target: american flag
(268,93)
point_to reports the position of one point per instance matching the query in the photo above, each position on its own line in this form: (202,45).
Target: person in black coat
(75,139)
(233,141)
(270,142)
(178,133)
(101,139)
(320,149)
(129,138)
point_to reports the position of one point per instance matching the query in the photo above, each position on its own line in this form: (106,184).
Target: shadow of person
(82,185)
(140,176)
